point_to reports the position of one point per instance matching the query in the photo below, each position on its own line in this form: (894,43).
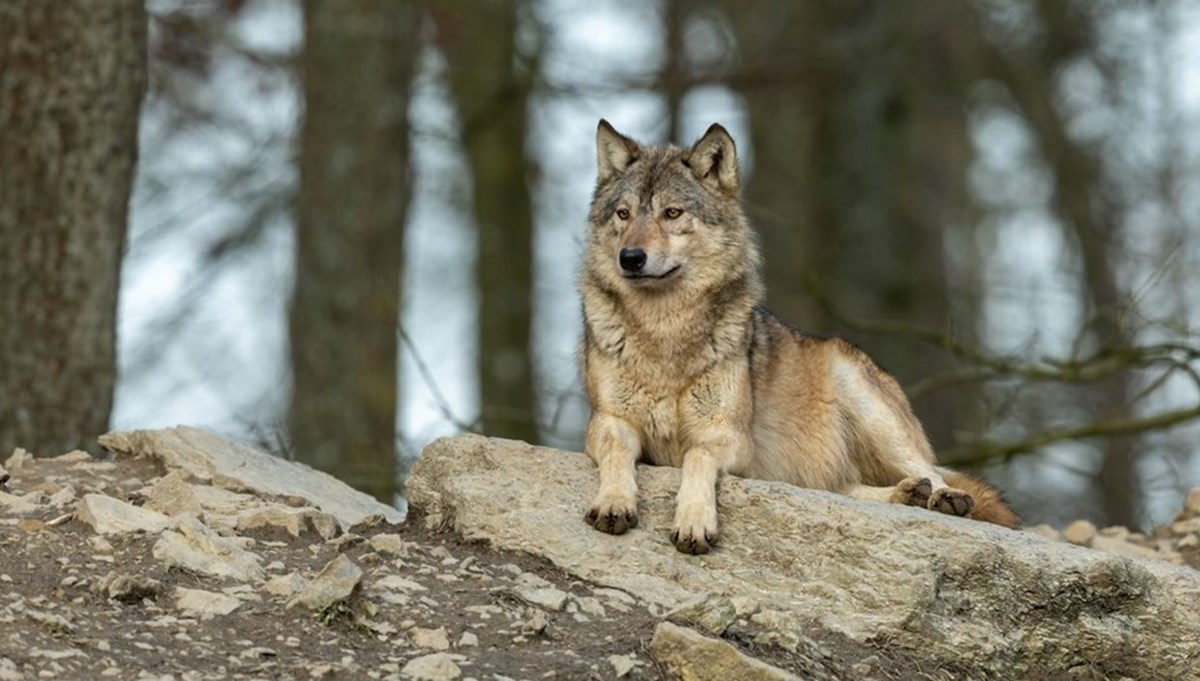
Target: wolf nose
(632,259)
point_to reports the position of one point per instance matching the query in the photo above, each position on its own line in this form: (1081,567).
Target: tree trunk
(72,77)
(860,151)
(491,90)
(1090,215)
(354,191)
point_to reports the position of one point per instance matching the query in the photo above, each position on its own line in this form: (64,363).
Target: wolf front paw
(952,502)
(695,531)
(612,515)
(913,492)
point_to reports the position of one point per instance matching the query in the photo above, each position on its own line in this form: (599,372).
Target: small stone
(31,525)
(1080,533)
(622,665)
(75,456)
(1190,541)
(335,582)
(19,458)
(127,589)
(1185,527)
(197,548)
(712,615)
(107,515)
(62,497)
(390,545)
(1192,503)
(467,640)
(591,606)
(435,667)
(535,622)
(546,597)
(285,585)
(172,495)
(434,639)
(1116,531)
(290,520)
(205,603)
(396,583)
(684,653)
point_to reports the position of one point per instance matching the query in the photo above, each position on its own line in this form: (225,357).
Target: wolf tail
(989,503)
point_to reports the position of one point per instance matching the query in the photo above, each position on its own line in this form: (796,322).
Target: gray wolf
(684,366)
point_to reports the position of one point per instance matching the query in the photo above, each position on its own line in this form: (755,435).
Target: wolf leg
(899,447)
(695,529)
(912,491)
(615,446)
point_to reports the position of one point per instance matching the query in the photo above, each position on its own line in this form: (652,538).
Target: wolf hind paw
(952,501)
(913,491)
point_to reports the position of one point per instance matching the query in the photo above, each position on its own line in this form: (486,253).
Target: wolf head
(667,219)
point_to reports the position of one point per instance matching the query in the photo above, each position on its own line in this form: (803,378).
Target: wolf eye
(623,213)
(673,213)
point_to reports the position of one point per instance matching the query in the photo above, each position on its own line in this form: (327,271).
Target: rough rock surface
(208,457)
(690,656)
(800,564)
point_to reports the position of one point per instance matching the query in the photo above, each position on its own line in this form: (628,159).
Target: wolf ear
(714,160)
(614,151)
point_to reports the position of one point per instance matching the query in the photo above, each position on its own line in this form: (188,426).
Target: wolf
(684,367)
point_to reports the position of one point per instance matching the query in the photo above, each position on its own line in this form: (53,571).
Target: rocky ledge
(187,556)
(797,567)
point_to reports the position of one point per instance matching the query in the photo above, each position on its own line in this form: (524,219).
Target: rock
(546,597)
(195,547)
(205,603)
(434,639)
(19,458)
(689,656)
(172,495)
(396,583)
(285,585)
(208,457)
(622,665)
(712,615)
(1080,533)
(1192,503)
(126,588)
(435,667)
(16,505)
(467,640)
(294,521)
(74,456)
(590,605)
(4,478)
(534,622)
(981,599)
(107,515)
(390,545)
(335,582)
(1190,541)
(62,497)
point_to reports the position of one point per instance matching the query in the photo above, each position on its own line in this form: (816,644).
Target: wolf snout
(632,260)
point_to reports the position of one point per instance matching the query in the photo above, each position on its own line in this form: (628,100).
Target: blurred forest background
(355,226)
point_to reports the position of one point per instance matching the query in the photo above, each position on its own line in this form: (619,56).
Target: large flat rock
(983,600)
(209,458)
